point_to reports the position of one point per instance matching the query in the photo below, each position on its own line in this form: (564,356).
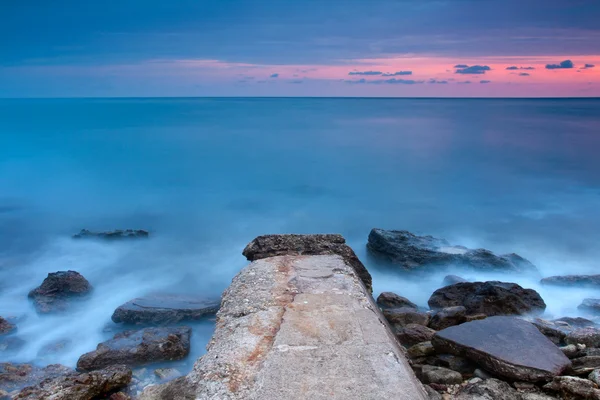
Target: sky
(397,48)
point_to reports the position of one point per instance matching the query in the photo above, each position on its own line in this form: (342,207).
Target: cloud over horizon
(567,64)
(399,73)
(368,73)
(474,69)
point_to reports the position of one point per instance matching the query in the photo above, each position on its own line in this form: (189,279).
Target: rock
(453,362)
(412,334)
(119,396)
(550,330)
(447,317)
(588,336)
(573,350)
(139,347)
(570,386)
(166,374)
(431,393)
(576,322)
(400,317)
(392,300)
(318,244)
(51,349)
(489,298)
(165,309)
(113,235)
(422,349)
(445,376)
(524,386)
(505,346)
(411,252)
(59,290)
(475,317)
(573,280)
(85,386)
(452,279)
(536,396)
(489,389)
(585,365)
(591,306)
(10,344)
(482,374)
(17,376)
(594,376)
(6,327)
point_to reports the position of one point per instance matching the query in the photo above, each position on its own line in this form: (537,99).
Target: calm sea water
(205,176)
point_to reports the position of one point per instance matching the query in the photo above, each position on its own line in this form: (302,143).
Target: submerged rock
(165,309)
(573,280)
(59,290)
(84,386)
(505,346)
(592,306)
(139,347)
(10,344)
(489,298)
(392,300)
(17,376)
(6,327)
(113,235)
(318,244)
(411,252)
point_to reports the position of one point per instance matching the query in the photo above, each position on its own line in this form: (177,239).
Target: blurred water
(205,176)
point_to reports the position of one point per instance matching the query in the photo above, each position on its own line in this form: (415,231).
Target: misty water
(205,176)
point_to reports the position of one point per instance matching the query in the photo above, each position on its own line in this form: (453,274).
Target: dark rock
(399,317)
(445,376)
(6,327)
(453,362)
(412,334)
(506,346)
(113,235)
(550,330)
(573,388)
(475,317)
(139,347)
(573,280)
(59,290)
(489,389)
(452,279)
(489,298)
(585,365)
(482,374)
(447,317)
(594,376)
(165,309)
(10,344)
(17,376)
(431,393)
(422,349)
(591,306)
(392,300)
(85,386)
(588,336)
(576,322)
(119,396)
(319,244)
(411,252)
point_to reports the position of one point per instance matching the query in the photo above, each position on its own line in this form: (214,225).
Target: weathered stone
(392,300)
(422,349)
(573,350)
(537,396)
(524,386)
(432,393)
(452,279)
(165,309)
(475,317)
(594,376)
(588,336)
(85,386)
(489,389)
(400,317)
(167,373)
(6,327)
(318,244)
(297,327)
(113,235)
(445,376)
(573,280)
(411,252)
(490,298)
(412,334)
(591,306)
(447,317)
(453,362)
(59,290)
(585,365)
(138,348)
(570,387)
(550,330)
(17,376)
(505,346)
(576,322)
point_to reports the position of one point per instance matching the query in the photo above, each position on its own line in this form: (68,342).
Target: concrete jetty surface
(297,327)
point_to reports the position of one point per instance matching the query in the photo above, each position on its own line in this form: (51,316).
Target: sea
(206,175)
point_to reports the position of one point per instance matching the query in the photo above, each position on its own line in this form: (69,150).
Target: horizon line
(314,97)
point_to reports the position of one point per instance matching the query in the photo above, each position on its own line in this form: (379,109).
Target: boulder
(444,376)
(571,387)
(85,386)
(139,347)
(591,306)
(113,235)
(506,346)
(317,244)
(399,317)
(594,376)
(411,252)
(573,280)
(588,336)
(453,362)
(489,298)
(489,389)
(422,349)
(452,279)
(573,350)
(551,330)
(447,317)
(17,376)
(412,334)
(392,300)
(585,365)
(162,309)
(6,327)
(59,290)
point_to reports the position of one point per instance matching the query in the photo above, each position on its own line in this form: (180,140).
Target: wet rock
(318,244)
(571,387)
(549,329)
(573,280)
(411,252)
(594,376)
(422,349)
(392,300)
(585,365)
(59,290)
(113,235)
(166,374)
(139,347)
(588,336)
(591,306)
(506,346)
(162,309)
(85,386)
(452,279)
(489,298)
(412,334)
(51,349)
(6,327)
(448,317)
(17,376)
(10,344)
(489,389)
(445,376)
(576,322)
(400,317)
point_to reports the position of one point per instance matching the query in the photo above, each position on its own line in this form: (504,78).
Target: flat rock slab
(298,327)
(506,346)
(165,309)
